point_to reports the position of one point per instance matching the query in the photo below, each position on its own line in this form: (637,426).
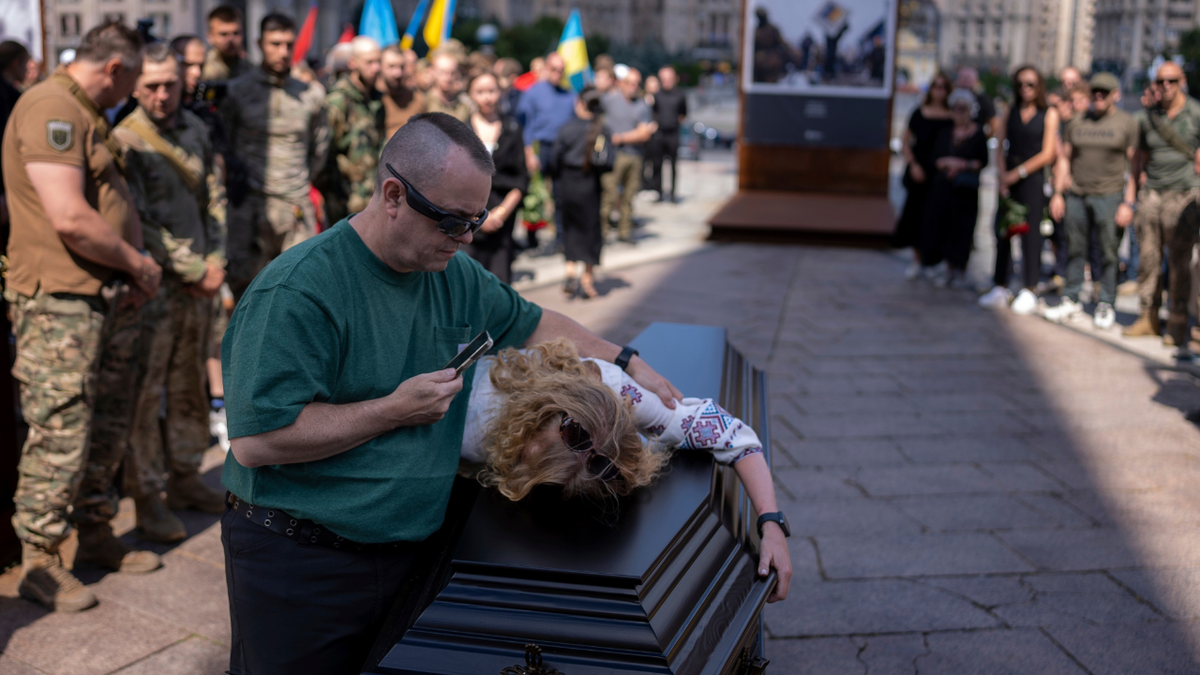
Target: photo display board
(818,72)
(21,20)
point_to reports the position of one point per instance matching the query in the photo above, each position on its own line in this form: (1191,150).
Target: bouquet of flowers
(1012,218)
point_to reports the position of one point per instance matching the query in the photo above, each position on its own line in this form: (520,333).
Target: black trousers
(664,145)
(1030,192)
(304,609)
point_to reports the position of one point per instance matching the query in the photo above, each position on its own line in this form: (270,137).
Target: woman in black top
(952,208)
(924,125)
(1031,131)
(578,186)
(492,245)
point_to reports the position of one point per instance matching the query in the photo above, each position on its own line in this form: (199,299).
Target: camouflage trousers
(260,228)
(1165,219)
(175,333)
(76,365)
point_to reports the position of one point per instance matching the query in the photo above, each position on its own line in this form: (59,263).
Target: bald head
(365,61)
(1172,86)
(420,149)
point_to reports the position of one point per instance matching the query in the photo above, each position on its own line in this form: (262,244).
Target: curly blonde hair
(540,386)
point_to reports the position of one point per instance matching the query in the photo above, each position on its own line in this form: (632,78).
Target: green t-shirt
(328,321)
(1098,147)
(1167,168)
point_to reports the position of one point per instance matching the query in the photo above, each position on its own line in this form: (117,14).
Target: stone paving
(970,491)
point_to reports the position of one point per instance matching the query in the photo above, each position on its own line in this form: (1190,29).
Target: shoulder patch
(60,134)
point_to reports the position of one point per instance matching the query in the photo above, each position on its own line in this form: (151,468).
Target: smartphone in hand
(474,351)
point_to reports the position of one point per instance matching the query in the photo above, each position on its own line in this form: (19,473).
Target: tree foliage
(1189,49)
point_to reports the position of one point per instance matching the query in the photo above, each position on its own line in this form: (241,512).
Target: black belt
(302,530)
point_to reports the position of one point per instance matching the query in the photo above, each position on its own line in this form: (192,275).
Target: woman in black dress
(1031,132)
(924,125)
(579,191)
(952,208)
(493,245)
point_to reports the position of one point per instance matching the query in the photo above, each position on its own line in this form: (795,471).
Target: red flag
(525,81)
(305,38)
(347,34)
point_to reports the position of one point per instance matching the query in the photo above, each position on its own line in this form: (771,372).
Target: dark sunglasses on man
(1167,80)
(449,224)
(577,439)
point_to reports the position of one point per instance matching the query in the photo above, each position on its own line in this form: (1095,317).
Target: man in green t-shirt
(345,430)
(1097,147)
(1168,138)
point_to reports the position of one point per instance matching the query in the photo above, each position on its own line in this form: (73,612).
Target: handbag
(602,157)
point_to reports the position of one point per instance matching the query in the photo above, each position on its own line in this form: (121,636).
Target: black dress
(494,250)
(924,132)
(578,193)
(1024,141)
(952,207)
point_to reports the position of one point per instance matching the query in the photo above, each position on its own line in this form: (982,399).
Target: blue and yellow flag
(571,47)
(378,22)
(414,24)
(441,20)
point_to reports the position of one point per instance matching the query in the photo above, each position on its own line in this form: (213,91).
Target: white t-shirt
(694,424)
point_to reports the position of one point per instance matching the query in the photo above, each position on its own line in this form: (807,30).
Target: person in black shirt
(578,183)
(14,62)
(670,109)
(968,78)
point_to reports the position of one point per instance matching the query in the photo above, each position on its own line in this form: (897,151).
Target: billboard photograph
(819,47)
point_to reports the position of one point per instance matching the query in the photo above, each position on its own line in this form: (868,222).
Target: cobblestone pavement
(970,491)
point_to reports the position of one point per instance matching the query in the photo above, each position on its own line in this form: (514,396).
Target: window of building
(162,23)
(69,24)
(119,17)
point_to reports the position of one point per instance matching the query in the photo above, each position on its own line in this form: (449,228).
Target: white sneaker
(1026,303)
(997,298)
(913,271)
(1063,311)
(1104,316)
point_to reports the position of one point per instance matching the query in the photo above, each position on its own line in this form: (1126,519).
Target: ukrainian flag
(378,22)
(571,47)
(441,19)
(414,25)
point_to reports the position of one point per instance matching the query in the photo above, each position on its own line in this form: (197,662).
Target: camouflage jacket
(356,127)
(181,228)
(215,67)
(278,132)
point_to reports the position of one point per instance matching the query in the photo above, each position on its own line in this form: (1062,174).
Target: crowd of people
(147,184)
(1075,172)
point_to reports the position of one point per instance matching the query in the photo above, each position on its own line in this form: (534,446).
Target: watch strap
(622,359)
(774,516)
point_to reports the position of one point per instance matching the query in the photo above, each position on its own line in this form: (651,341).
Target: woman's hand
(643,374)
(494,222)
(916,172)
(1058,207)
(774,555)
(1009,178)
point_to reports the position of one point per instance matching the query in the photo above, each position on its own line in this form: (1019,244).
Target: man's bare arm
(83,229)
(554,325)
(325,429)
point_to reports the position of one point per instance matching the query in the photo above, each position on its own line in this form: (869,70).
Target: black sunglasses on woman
(577,439)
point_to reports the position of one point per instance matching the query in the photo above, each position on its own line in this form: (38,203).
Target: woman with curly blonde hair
(545,415)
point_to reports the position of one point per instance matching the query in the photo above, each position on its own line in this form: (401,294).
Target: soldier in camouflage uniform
(180,197)
(224,60)
(279,136)
(355,115)
(74,255)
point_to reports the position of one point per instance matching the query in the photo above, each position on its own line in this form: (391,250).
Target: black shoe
(570,287)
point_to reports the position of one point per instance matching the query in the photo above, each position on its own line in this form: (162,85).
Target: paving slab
(952,479)
(855,556)
(194,656)
(891,654)
(969,513)
(1094,548)
(871,606)
(11,666)
(805,484)
(980,448)
(819,656)
(856,515)
(1173,593)
(1163,648)
(995,652)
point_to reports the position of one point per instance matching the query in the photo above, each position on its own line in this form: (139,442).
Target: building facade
(65,21)
(1131,33)
(1003,34)
(707,28)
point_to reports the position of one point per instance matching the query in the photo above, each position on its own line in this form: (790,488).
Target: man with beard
(401,100)
(181,200)
(225,60)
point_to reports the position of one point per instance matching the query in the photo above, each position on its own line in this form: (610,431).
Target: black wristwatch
(622,359)
(778,517)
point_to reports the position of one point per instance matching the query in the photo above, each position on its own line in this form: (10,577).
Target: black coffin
(664,583)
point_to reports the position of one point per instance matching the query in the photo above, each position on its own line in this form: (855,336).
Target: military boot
(99,546)
(1147,324)
(44,580)
(189,492)
(155,522)
(1176,335)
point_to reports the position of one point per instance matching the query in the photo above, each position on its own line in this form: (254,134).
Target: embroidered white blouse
(694,424)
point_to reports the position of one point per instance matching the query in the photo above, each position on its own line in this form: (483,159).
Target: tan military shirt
(277,128)
(183,228)
(215,67)
(397,110)
(49,125)
(458,109)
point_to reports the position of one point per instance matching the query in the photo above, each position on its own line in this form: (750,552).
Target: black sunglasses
(577,439)
(449,224)
(1027,85)
(1167,81)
